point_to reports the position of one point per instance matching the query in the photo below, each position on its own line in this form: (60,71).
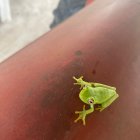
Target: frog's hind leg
(108,102)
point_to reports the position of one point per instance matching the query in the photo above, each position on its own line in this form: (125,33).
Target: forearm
(90,110)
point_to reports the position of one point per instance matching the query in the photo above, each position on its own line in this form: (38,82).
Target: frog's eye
(90,101)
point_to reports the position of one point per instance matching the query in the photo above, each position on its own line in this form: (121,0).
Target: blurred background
(30,19)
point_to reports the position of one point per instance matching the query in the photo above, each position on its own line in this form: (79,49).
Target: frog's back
(102,94)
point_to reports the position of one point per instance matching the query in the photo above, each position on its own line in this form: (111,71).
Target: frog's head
(86,95)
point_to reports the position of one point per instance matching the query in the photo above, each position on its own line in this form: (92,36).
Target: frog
(94,94)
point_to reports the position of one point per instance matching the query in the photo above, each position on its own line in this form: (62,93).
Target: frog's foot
(99,108)
(79,81)
(82,115)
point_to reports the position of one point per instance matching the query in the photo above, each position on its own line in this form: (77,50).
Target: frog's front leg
(82,114)
(108,102)
(102,85)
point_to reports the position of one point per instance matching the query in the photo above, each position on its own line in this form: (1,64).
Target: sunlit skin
(94,93)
